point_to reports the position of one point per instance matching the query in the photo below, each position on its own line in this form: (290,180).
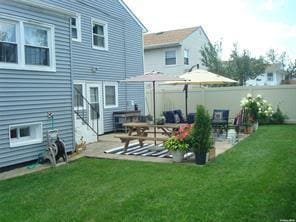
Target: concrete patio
(96,150)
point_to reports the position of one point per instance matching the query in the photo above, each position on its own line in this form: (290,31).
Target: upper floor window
(186,57)
(270,76)
(25,45)
(76,28)
(8,43)
(36,46)
(99,35)
(170,57)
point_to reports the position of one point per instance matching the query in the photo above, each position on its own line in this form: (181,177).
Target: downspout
(125,66)
(72,87)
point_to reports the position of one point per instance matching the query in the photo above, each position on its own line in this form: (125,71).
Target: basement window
(25,134)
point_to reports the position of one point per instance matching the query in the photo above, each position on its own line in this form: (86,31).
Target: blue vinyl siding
(123,59)
(27,96)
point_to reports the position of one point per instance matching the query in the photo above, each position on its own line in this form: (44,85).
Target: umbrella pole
(154,115)
(186,100)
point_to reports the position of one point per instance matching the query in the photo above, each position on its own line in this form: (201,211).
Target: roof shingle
(168,37)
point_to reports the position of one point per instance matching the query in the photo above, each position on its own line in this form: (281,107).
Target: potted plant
(178,144)
(255,109)
(201,134)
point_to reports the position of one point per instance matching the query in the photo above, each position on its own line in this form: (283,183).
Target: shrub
(278,117)
(201,131)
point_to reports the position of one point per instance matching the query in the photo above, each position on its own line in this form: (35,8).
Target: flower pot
(200,157)
(255,126)
(178,156)
(248,129)
(212,153)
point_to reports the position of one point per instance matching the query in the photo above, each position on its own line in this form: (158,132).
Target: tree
(210,57)
(291,70)
(243,66)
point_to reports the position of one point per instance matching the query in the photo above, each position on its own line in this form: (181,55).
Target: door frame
(100,96)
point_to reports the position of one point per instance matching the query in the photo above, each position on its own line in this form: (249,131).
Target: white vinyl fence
(173,97)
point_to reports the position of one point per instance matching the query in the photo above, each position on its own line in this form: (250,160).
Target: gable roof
(168,38)
(133,15)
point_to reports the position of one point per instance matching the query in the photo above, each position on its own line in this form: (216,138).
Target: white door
(95,110)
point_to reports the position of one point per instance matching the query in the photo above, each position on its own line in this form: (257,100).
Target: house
(60,64)
(273,75)
(176,51)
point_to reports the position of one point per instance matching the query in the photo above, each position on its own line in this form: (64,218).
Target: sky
(256,25)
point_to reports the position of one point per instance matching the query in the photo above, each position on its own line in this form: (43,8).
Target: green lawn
(254,181)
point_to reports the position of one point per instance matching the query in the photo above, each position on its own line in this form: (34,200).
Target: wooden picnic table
(140,131)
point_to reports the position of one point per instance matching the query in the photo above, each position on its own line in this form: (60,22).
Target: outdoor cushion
(169,116)
(179,113)
(177,118)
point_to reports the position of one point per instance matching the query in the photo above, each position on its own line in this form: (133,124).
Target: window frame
(115,84)
(20,41)
(83,94)
(36,131)
(165,55)
(105,28)
(78,27)
(270,74)
(188,61)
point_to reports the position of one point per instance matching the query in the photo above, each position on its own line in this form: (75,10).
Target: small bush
(278,117)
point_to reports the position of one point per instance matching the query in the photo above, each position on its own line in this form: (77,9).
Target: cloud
(231,20)
(270,5)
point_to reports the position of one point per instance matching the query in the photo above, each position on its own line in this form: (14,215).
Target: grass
(254,181)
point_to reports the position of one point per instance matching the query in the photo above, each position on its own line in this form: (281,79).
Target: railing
(87,112)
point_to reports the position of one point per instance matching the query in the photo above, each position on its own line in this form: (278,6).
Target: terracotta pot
(248,129)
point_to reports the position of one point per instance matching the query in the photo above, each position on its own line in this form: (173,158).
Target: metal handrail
(89,107)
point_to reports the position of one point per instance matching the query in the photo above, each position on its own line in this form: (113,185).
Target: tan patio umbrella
(154,77)
(200,77)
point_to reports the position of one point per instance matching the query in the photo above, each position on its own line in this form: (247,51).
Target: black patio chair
(220,120)
(175,116)
(169,117)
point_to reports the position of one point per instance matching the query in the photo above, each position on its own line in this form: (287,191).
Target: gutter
(159,46)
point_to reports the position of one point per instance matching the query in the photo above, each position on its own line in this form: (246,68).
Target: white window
(26,45)
(25,134)
(170,57)
(8,42)
(76,28)
(270,77)
(186,57)
(79,93)
(111,94)
(99,34)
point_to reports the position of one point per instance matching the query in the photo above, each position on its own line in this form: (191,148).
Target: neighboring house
(176,51)
(64,58)
(273,76)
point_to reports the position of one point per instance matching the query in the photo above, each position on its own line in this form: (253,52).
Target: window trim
(78,27)
(38,137)
(186,50)
(105,26)
(270,74)
(77,82)
(165,57)
(20,38)
(115,84)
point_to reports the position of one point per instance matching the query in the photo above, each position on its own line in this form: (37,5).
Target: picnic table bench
(140,131)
